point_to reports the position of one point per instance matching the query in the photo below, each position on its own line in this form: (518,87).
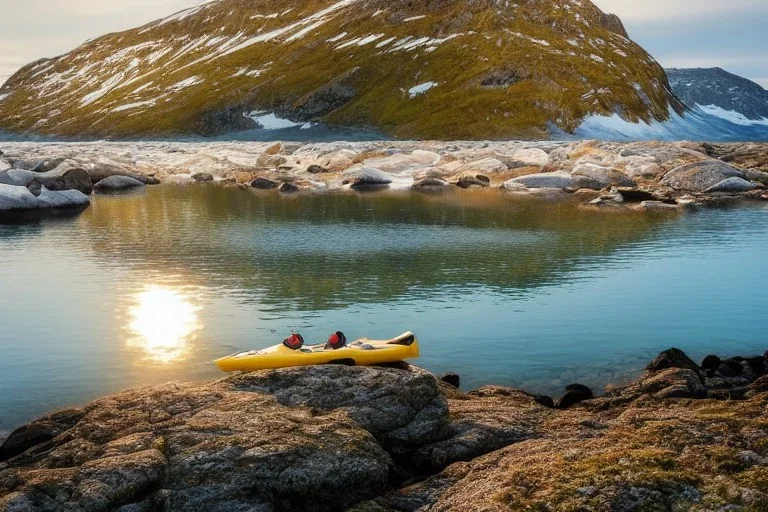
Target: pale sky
(680,33)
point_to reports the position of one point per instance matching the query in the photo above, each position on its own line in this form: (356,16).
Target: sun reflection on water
(163,320)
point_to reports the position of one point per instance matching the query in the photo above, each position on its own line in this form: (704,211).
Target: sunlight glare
(163,320)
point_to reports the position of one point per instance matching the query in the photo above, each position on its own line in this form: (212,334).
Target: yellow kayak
(362,352)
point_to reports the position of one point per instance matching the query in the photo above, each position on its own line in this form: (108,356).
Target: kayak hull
(359,353)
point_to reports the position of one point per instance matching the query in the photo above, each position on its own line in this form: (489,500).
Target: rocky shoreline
(641,175)
(683,436)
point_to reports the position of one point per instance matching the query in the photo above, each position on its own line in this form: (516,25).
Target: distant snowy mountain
(721,106)
(445,69)
(721,94)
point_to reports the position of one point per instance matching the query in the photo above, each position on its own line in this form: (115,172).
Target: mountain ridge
(431,69)
(720,88)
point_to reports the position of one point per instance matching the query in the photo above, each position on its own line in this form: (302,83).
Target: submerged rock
(264,184)
(288,188)
(116,183)
(469,180)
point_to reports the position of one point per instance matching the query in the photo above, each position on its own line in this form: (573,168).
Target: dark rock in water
(730,368)
(316,169)
(39,432)
(672,358)
(570,398)
(700,176)
(544,400)
(473,180)
(288,188)
(202,177)
(581,388)
(711,362)
(430,184)
(116,183)
(575,393)
(66,179)
(264,184)
(452,378)
(757,365)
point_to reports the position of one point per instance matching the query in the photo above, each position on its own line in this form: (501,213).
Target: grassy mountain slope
(497,69)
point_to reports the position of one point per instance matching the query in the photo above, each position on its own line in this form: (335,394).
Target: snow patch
(187,82)
(695,124)
(130,106)
(4,96)
(421,89)
(269,121)
(732,116)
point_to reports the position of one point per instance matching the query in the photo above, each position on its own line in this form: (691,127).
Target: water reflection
(163,321)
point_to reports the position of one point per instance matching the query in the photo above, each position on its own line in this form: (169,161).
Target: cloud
(674,10)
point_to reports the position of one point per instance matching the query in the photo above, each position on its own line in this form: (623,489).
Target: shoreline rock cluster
(683,436)
(643,175)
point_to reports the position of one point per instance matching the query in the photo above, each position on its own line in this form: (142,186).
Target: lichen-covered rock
(483,420)
(604,176)
(484,166)
(336,437)
(700,176)
(295,439)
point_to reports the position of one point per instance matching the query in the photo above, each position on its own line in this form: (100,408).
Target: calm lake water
(151,287)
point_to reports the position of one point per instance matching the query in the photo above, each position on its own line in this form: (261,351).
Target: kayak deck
(362,352)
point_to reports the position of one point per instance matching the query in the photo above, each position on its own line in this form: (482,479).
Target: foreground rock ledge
(386,439)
